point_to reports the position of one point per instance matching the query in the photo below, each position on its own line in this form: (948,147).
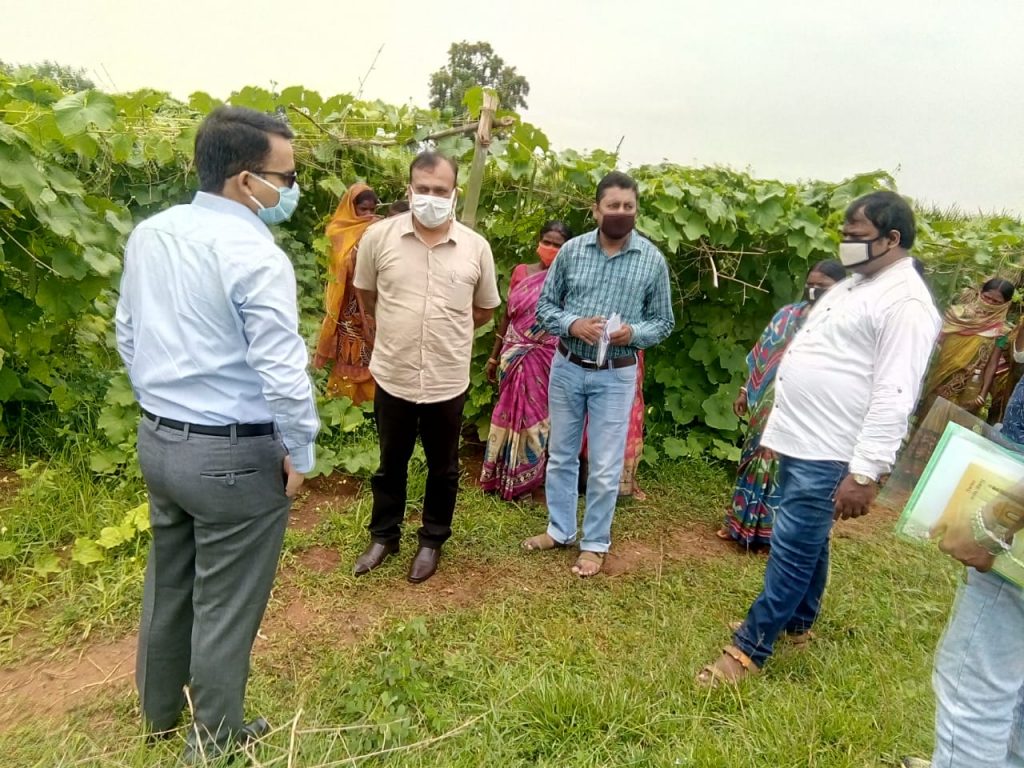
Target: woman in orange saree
(346,334)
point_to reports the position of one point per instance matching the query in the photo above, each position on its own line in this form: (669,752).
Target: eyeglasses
(288,178)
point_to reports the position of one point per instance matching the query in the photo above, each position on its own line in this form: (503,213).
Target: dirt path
(55,684)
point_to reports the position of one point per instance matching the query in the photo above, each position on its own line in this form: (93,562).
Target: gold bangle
(491,360)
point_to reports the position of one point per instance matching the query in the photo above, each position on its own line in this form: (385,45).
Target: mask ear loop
(253,197)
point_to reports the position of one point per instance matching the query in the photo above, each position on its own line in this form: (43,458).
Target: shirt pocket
(456,290)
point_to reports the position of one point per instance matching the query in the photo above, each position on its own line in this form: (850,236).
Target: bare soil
(52,685)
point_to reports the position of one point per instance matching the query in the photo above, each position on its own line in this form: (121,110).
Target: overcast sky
(931,90)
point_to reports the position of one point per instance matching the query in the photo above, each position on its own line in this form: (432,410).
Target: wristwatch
(1003,515)
(862,479)
(991,542)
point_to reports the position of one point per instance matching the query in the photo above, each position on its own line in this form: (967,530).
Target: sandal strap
(542,542)
(592,557)
(744,661)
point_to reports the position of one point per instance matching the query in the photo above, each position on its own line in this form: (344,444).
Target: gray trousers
(218,512)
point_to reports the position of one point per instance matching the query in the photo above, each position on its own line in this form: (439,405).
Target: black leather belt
(241,430)
(615,362)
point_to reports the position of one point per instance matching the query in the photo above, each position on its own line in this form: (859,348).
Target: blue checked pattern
(584,282)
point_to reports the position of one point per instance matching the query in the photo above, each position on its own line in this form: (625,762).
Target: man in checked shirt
(608,271)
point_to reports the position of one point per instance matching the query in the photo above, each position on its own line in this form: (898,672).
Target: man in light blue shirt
(207,325)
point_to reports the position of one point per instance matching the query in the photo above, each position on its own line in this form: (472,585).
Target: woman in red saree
(346,334)
(516,453)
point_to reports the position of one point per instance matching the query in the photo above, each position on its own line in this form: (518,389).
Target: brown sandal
(584,565)
(732,667)
(541,543)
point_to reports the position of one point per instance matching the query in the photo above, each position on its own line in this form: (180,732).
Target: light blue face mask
(286,204)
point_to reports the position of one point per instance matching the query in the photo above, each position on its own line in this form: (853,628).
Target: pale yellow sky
(927,89)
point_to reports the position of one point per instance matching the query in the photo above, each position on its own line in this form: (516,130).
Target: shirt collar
(221,204)
(907,262)
(406,227)
(591,240)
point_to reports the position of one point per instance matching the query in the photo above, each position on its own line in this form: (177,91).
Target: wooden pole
(476,169)
(505,122)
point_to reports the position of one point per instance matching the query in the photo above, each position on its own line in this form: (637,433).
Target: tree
(471,64)
(68,78)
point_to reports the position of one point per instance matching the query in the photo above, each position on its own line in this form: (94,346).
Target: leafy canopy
(472,64)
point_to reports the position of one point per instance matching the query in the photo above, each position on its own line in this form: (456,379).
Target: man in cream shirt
(429,282)
(844,392)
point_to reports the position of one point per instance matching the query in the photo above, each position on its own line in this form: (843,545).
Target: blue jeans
(979,678)
(794,579)
(604,399)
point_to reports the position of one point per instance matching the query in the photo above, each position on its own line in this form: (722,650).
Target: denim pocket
(626,374)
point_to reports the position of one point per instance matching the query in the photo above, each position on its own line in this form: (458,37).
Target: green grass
(506,659)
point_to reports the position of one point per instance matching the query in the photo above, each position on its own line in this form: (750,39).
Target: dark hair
(397,207)
(1005,287)
(429,160)
(830,268)
(887,211)
(231,140)
(366,196)
(556,226)
(618,180)
(918,266)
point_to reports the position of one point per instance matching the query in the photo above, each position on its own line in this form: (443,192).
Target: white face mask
(432,211)
(853,253)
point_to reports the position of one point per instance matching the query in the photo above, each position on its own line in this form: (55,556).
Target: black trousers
(398,424)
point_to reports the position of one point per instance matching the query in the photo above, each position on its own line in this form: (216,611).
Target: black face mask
(617,225)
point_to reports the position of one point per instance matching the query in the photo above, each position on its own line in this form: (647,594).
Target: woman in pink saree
(520,364)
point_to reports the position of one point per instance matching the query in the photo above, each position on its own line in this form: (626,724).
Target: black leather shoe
(212,752)
(253,731)
(156,737)
(424,565)
(373,556)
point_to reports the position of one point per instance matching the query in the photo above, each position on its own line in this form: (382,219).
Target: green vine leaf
(75,113)
(86,552)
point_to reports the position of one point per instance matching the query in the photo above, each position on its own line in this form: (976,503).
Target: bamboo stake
(504,122)
(476,169)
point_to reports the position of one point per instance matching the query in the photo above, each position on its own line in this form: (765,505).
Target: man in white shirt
(207,325)
(428,281)
(844,392)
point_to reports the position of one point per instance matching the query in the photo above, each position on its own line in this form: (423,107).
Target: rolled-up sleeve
(901,360)
(266,301)
(658,319)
